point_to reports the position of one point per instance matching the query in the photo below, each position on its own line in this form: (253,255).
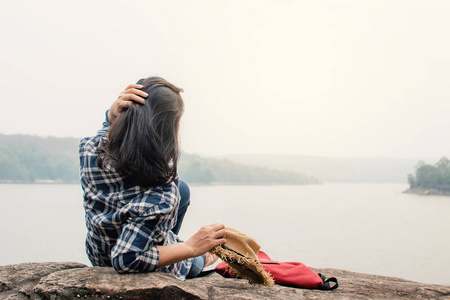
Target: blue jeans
(185,195)
(197,266)
(199,262)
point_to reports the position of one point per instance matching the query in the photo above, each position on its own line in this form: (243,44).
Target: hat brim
(243,266)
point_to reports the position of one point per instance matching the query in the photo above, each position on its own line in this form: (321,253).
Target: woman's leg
(197,266)
(185,195)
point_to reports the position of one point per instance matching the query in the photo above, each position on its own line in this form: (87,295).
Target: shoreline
(426,192)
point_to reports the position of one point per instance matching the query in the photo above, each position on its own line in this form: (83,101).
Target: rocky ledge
(69,280)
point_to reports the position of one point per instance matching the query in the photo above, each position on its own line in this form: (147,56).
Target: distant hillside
(207,170)
(327,169)
(25,158)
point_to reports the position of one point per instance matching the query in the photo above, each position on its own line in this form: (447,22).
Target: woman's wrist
(110,116)
(188,250)
(174,253)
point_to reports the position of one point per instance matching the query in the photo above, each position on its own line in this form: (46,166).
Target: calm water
(371,228)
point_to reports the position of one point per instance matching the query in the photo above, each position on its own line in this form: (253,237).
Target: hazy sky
(328,78)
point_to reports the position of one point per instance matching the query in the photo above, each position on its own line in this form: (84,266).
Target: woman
(133,200)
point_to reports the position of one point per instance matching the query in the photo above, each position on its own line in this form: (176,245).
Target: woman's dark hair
(143,141)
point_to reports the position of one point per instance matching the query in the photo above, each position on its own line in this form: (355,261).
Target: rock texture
(77,281)
(18,281)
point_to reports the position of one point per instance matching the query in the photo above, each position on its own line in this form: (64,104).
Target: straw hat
(240,253)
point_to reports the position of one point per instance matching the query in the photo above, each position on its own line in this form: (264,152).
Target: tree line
(25,158)
(431,177)
(209,170)
(28,159)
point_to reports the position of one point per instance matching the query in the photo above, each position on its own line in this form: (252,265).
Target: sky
(329,78)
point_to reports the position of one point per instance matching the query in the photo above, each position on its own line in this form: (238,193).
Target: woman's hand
(206,238)
(126,98)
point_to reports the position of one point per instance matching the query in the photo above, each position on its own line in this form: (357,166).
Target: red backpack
(293,274)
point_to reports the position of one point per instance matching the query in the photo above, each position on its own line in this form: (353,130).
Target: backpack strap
(326,283)
(326,286)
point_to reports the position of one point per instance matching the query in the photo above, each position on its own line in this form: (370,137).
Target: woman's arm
(148,221)
(204,240)
(131,94)
(132,252)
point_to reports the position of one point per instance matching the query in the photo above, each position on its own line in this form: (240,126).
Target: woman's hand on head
(206,238)
(131,94)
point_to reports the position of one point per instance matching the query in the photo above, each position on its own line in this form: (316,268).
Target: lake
(370,228)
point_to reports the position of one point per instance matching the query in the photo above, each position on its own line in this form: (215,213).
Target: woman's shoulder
(93,142)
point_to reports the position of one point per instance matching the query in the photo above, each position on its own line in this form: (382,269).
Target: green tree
(435,177)
(411,181)
(443,167)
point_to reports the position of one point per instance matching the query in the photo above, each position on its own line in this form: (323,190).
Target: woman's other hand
(206,238)
(125,99)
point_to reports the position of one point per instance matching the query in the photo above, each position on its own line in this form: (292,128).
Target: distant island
(34,159)
(430,179)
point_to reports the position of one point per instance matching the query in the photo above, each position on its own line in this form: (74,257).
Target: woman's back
(131,195)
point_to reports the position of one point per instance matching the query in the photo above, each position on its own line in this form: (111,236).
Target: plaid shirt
(125,222)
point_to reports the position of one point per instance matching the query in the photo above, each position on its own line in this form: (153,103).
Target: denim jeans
(185,195)
(197,266)
(199,262)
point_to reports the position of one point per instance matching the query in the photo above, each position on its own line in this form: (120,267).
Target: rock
(76,281)
(18,281)
(354,285)
(105,283)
